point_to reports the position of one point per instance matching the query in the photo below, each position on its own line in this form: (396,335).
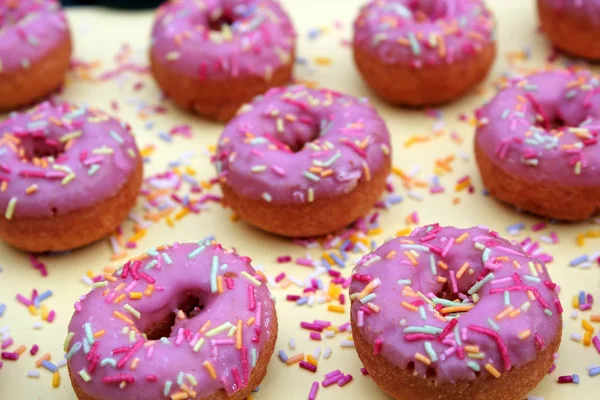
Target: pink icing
(165,277)
(407,273)
(259,39)
(516,128)
(58,158)
(30,30)
(423,32)
(339,141)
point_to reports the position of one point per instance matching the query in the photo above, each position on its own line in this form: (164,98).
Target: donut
(536,144)
(212,56)
(572,26)
(303,162)
(69,176)
(423,52)
(187,321)
(454,314)
(35,50)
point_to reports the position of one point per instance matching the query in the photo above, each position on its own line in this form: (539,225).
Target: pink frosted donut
(35,49)
(68,176)
(303,162)
(537,144)
(189,319)
(421,52)
(572,26)
(454,314)
(211,56)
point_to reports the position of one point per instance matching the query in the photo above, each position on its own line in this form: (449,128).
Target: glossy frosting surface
(295,145)
(458,302)
(210,348)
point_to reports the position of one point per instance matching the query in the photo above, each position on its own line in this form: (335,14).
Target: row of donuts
(212,56)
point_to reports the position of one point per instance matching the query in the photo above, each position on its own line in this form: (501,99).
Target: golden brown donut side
(75,229)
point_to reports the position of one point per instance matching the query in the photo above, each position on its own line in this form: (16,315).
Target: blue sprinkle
(581,297)
(282,356)
(165,137)
(516,227)
(594,371)
(325,264)
(582,258)
(2,309)
(337,260)
(394,199)
(575,378)
(302,301)
(44,295)
(49,366)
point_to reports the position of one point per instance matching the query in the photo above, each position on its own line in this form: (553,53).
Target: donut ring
(303,162)
(423,52)
(536,144)
(189,319)
(572,26)
(35,49)
(212,56)
(68,177)
(507,323)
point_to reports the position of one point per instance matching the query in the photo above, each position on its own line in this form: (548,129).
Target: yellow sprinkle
(525,334)
(180,395)
(149,290)
(422,358)
(490,368)
(312,360)
(132,311)
(323,61)
(338,308)
(504,313)
(374,232)
(45,312)
(587,326)
(32,310)
(56,379)
(135,295)
(252,279)
(210,369)
(587,338)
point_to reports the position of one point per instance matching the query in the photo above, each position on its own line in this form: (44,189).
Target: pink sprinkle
(499,342)
(292,297)
(583,307)
(539,226)
(312,395)
(9,356)
(24,300)
(342,299)
(304,261)
(335,373)
(151,378)
(364,371)
(119,378)
(565,379)
(51,316)
(251,298)
(596,342)
(7,343)
(331,380)
(284,259)
(280,277)
(308,366)
(34,349)
(311,326)
(344,380)
(590,298)
(377,346)
(315,336)
(335,274)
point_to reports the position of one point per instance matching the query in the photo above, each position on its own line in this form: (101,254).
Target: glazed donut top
(453,302)
(223,38)
(58,158)
(29,31)
(295,145)
(423,32)
(544,128)
(214,346)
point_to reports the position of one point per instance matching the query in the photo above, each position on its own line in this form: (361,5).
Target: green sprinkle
(73,135)
(474,366)
(10,209)
(213,274)
(405,282)
(84,375)
(108,361)
(221,328)
(167,388)
(67,179)
(254,357)
(493,324)
(258,168)
(116,136)
(486,255)
(532,279)
(422,329)
(457,336)
(446,303)
(103,150)
(198,345)
(414,44)
(167,259)
(197,251)
(431,352)
(192,379)
(525,306)
(100,284)
(132,311)
(532,269)
(432,264)
(89,335)
(507,298)
(164,340)
(368,298)
(477,356)
(479,246)
(93,169)
(68,340)
(74,350)
(311,176)
(482,282)
(548,312)
(422,312)
(151,264)
(267,197)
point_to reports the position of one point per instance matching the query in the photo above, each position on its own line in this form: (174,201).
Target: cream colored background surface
(99,34)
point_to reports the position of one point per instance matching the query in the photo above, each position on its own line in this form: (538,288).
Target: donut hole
(447,293)
(430,373)
(428,10)
(216,21)
(190,306)
(40,147)
(296,137)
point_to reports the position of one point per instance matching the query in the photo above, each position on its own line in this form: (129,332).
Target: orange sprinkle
(462,270)
(461,237)
(525,334)
(442,265)
(490,368)
(149,290)
(219,284)
(409,306)
(99,333)
(238,335)
(504,313)
(122,317)
(595,318)
(205,327)
(514,313)
(448,310)
(441,279)
(422,358)
(295,359)
(120,298)
(21,349)
(45,357)
(210,369)
(472,349)
(411,258)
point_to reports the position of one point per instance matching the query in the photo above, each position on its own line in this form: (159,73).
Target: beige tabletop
(106,40)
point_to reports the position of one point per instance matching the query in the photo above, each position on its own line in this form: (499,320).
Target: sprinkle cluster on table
(177,192)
